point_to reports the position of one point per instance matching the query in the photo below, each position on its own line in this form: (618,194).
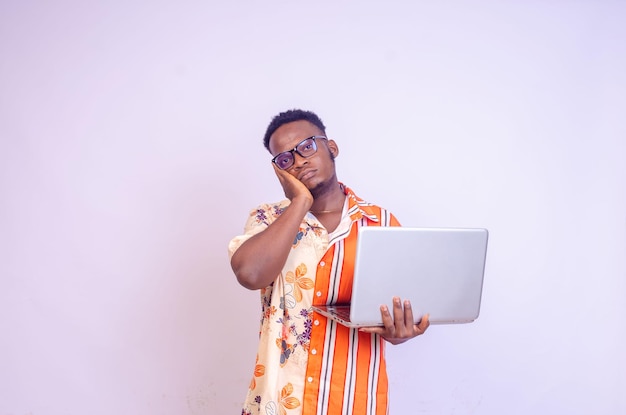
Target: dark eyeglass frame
(295,150)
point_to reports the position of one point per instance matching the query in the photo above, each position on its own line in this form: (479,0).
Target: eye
(284,160)
(308,147)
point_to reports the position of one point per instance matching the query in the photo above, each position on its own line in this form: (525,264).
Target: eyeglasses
(306,148)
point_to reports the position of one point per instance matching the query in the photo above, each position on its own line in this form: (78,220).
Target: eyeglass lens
(306,148)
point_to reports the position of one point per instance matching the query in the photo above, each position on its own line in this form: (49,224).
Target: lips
(306,174)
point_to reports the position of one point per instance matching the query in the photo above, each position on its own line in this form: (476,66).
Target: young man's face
(314,171)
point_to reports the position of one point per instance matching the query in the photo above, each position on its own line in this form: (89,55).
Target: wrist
(302,202)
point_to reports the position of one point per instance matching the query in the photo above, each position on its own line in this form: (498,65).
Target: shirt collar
(357,207)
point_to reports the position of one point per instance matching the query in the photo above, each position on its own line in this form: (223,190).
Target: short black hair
(291,116)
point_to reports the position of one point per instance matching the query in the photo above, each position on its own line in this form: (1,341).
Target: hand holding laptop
(400,327)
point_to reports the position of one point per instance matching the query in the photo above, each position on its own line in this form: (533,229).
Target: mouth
(306,175)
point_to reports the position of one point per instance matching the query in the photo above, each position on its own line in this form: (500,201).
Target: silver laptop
(440,270)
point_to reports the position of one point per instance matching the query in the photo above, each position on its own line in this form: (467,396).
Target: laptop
(440,270)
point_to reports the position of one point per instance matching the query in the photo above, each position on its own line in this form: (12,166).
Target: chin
(319,188)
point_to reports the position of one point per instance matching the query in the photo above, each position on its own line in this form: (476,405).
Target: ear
(333,148)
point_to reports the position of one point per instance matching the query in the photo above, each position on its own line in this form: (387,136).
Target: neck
(330,201)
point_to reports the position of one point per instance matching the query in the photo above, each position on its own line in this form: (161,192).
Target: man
(301,252)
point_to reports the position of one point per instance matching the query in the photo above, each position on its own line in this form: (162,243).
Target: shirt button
(322,263)
(310,379)
(316,322)
(319,294)
(314,351)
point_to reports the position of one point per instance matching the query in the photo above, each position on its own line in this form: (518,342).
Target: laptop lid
(440,270)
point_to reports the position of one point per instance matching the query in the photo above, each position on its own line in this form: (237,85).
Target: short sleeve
(258,220)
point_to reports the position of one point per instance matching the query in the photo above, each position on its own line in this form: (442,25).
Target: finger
(278,171)
(408,314)
(388,328)
(373,330)
(285,177)
(386,316)
(280,174)
(286,181)
(424,323)
(398,314)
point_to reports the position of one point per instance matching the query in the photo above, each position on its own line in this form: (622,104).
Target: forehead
(288,136)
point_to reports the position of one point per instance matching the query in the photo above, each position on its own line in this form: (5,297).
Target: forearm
(260,259)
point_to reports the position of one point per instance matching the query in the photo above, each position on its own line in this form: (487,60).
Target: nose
(299,161)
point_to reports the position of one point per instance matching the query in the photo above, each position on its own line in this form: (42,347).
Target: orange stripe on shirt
(348,371)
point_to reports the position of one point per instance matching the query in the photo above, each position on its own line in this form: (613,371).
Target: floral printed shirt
(307,364)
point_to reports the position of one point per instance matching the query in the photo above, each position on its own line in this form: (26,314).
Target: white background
(131,152)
